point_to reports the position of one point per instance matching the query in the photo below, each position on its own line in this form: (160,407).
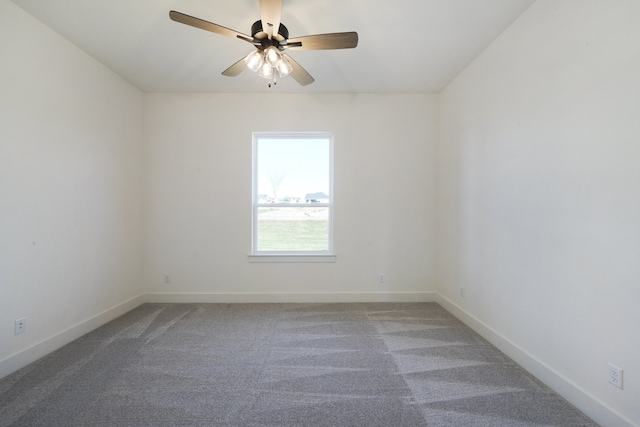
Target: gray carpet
(369,364)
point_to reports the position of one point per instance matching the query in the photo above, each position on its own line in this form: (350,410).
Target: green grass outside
(293,235)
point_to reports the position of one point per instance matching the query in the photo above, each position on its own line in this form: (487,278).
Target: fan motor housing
(256,29)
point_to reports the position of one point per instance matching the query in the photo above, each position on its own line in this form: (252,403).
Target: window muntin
(292,193)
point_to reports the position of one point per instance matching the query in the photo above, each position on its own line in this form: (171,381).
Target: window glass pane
(293,229)
(293,170)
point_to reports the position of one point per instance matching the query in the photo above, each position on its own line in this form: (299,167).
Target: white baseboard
(290,297)
(31,354)
(588,404)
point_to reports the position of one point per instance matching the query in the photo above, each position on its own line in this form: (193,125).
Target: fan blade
(270,14)
(299,74)
(208,26)
(324,41)
(235,69)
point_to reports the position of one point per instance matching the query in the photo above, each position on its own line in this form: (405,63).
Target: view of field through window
(293,229)
(292,185)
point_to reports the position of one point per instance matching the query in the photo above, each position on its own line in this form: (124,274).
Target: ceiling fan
(271,38)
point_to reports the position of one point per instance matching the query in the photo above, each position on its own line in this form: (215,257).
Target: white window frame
(289,256)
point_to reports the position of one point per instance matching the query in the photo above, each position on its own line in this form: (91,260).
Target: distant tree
(276,178)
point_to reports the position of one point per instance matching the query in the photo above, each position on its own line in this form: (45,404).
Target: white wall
(70,185)
(539,198)
(198,197)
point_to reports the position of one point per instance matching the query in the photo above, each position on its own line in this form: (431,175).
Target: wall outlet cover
(20,326)
(614,375)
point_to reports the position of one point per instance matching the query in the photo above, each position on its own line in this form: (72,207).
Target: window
(292,195)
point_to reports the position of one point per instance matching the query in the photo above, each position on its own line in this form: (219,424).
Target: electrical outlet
(20,326)
(167,278)
(462,291)
(381,279)
(614,375)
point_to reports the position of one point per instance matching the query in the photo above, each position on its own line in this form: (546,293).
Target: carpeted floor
(369,364)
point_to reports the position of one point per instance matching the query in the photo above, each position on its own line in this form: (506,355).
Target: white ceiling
(405,46)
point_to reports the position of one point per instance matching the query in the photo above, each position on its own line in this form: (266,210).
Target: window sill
(292,258)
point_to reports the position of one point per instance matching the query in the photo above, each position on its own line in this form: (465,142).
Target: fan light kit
(267,63)
(268,60)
